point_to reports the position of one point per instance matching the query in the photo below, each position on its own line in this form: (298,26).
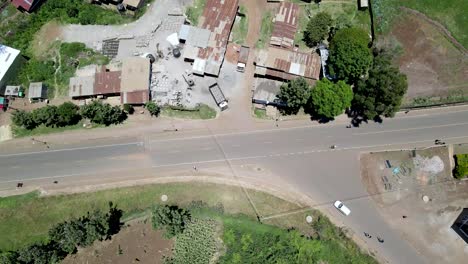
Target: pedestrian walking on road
(404,216)
(194,168)
(380,239)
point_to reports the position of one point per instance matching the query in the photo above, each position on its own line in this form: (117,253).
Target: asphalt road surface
(300,156)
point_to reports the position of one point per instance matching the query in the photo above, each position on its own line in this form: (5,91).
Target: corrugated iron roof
(107,82)
(292,62)
(81,86)
(218,17)
(137,97)
(285,26)
(37,90)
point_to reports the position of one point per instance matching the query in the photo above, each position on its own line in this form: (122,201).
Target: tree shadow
(113,219)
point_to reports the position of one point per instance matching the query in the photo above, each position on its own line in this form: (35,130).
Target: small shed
(13,91)
(37,91)
(363,3)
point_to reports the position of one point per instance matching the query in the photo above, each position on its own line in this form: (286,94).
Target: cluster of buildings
(130,82)
(282,61)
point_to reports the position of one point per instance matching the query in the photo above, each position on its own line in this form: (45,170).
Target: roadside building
(135,80)
(285,26)
(132,4)
(284,65)
(81,87)
(25,5)
(107,82)
(10,62)
(207,50)
(37,91)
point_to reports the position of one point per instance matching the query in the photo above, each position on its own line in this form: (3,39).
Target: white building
(10,61)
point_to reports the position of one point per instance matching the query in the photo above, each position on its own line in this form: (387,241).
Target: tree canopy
(103,114)
(295,94)
(317,29)
(350,56)
(382,93)
(328,99)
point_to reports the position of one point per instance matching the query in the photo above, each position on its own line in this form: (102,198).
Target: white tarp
(173,39)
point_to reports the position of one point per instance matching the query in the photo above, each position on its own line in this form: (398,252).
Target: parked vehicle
(218,96)
(243,57)
(342,208)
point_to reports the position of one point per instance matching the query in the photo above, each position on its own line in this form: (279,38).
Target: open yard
(428,39)
(418,185)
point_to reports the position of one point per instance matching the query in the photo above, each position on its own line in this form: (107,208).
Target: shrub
(68,114)
(24,119)
(461,166)
(172,218)
(46,115)
(129,109)
(103,114)
(153,108)
(295,94)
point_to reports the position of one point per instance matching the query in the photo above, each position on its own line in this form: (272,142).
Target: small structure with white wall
(10,62)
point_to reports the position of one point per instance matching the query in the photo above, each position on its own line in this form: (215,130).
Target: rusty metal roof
(107,82)
(292,62)
(218,17)
(136,97)
(285,26)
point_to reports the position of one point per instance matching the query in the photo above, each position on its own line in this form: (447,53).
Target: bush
(461,166)
(129,109)
(153,108)
(68,114)
(24,119)
(172,218)
(46,115)
(103,114)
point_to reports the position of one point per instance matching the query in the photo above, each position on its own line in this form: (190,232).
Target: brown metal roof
(290,62)
(218,17)
(107,82)
(285,26)
(137,97)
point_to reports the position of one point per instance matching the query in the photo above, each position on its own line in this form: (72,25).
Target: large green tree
(382,92)
(317,29)
(68,114)
(295,94)
(328,99)
(103,114)
(350,56)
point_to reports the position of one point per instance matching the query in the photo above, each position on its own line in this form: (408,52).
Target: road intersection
(299,157)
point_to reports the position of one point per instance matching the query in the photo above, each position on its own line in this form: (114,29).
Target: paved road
(299,156)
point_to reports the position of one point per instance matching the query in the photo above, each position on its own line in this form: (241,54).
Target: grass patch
(26,218)
(195,11)
(200,112)
(265,30)
(241,28)
(260,113)
(458,96)
(450,13)
(19,132)
(461,166)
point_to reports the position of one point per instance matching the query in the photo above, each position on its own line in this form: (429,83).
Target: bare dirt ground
(434,66)
(137,242)
(43,39)
(398,192)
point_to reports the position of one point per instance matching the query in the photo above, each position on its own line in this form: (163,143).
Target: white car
(343,208)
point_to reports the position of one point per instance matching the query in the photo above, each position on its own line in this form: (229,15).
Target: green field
(450,13)
(25,219)
(219,211)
